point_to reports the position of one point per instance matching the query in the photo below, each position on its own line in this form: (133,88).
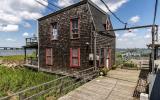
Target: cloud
(25,34)
(27,25)
(147,36)
(134,19)
(113,4)
(64,3)
(129,34)
(11,40)
(16,11)
(117,35)
(9,28)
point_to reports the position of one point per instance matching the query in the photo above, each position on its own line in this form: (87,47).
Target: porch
(31,61)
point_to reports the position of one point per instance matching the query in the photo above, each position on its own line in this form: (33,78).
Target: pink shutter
(105,57)
(49,56)
(79,57)
(70,57)
(109,51)
(46,56)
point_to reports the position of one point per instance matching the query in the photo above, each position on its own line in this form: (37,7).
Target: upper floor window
(107,25)
(54,31)
(74,28)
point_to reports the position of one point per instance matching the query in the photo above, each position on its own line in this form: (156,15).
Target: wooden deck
(119,85)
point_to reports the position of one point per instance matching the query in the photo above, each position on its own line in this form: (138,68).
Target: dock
(119,84)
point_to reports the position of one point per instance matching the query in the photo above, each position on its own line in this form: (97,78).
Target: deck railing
(32,61)
(31,41)
(54,88)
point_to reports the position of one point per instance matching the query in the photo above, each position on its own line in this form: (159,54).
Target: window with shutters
(74,28)
(49,56)
(54,31)
(74,57)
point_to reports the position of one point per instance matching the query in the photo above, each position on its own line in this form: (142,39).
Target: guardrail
(54,88)
(32,41)
(32,61)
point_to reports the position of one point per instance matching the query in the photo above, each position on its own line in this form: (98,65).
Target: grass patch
(14,80)
(16,57)
(130,65)
(12,58)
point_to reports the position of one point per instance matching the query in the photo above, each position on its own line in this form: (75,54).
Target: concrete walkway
(119,85)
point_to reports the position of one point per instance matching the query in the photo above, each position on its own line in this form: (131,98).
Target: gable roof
(72,6)
(99,16)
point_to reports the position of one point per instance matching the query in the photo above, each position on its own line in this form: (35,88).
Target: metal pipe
(136,27)
(95,53)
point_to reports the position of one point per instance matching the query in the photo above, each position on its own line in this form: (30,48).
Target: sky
(18,20)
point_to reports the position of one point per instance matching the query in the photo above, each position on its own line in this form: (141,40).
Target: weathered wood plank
(104,88)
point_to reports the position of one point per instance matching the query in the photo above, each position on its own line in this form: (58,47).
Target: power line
(155,12)
(45,5)
(53,4)
(113,13)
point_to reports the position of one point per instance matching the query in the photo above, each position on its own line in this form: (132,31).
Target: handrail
(84,74)
(32,40)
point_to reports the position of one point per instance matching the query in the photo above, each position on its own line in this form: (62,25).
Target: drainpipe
(38,45)
(95,53)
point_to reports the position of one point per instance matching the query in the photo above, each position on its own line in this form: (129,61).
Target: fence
(32,61)
(31,41)
(54,88)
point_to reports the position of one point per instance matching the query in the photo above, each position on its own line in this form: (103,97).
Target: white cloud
(64,3)
(129,34)
(9,28)
(147,36)
(25,34)
(10,39)
(17,11)
(117,35)
(113,4)
(27,25)
(134,19)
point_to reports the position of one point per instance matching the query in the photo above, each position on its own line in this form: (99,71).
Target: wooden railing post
(21,96)
(61,86)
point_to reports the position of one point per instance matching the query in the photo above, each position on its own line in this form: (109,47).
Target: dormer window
(74,28)
(54,31)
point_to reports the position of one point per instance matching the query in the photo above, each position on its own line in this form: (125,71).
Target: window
(54,31)
(74,57)
(49,56)
(107,25)
(74,28)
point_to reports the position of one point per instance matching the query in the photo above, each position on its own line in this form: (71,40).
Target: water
(14,52)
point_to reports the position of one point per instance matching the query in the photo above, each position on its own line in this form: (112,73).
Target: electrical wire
(51,9)
(52,4)
(114,14)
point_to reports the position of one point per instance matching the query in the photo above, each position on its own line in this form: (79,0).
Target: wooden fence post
(61,87)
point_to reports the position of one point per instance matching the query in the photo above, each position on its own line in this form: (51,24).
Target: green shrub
(129,64)
(114,67)
(17,79)
(104,71)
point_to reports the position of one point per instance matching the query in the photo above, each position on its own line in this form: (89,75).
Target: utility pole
(154,32)
(153,45)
